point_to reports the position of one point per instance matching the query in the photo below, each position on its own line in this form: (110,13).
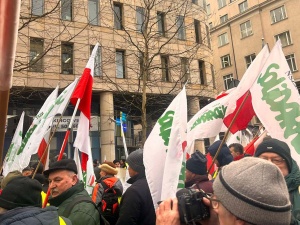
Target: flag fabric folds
(83,93)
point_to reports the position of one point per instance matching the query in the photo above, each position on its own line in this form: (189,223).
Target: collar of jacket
(56,201)
(293,178)
(136,177)
(198,178)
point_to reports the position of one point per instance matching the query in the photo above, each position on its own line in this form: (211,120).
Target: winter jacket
(200,182)
(33,216)
(83,213)
(136,206)
(293,183)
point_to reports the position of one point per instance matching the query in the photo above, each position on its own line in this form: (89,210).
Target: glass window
(243,6)
(223,39)
(185,69)
(197,26)
(195,2)
(207,36)
(227,80)
(97,67)
(249,59)
(202,72)
(221,3)
(285,38)
(140,19)
(165,68)
(208,10)
(225,61)
(66,10)
(118,14)
(120,64)
(67,58)
(93,12)
(246,29)
(180,27)
(292,62)
(210,25)
(224,18)
(278,14)
(37,7)
(161,23)
(212,70)
(36,55)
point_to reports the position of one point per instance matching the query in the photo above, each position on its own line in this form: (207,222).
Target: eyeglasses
(276,161)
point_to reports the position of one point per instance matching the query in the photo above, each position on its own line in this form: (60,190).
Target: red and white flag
(83,93)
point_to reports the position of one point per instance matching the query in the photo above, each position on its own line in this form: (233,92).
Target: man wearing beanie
(250,191)
(136,206)
(224,157)
(196,174)
(20,203)
(279,153)
(66,189)
(108,188)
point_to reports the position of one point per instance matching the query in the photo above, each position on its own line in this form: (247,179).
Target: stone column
(107,126)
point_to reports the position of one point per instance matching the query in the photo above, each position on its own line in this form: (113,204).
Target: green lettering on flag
(181,181)
(165,123)
(26,138)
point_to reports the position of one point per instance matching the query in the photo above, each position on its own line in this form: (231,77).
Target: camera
(190,205)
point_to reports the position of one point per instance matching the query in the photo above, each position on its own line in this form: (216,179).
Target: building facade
(239,29)
(153,49)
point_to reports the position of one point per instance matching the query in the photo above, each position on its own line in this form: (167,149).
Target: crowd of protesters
(244,190)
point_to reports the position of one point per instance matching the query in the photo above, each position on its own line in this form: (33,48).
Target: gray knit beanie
(135,161)
(255,191)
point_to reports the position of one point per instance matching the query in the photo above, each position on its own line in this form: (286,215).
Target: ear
(74,179)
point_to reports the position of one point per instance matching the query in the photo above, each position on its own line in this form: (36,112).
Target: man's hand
(167,213)
(213,219)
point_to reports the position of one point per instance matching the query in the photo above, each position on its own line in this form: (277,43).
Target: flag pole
(229,127)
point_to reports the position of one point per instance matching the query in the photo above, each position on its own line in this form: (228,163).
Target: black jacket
(136,206)
(32,216)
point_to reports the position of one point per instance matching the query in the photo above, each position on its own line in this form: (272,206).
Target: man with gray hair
(250,191)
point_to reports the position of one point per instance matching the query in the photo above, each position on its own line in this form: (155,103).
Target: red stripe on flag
(84,159)
(41,151)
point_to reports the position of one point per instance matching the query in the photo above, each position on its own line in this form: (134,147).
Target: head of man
(135,162)
(62,175)
(251,191)
(196,165)
(108,168)
(21,191)
(117,163)
(27,171)
(276,152)
(236,149)
(224,157)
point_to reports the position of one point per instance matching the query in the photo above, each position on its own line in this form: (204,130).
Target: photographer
(248,191)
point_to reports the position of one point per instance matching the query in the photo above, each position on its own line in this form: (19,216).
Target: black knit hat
(21,192)
(197,163)
(278,147)
(64,164)
(135,161)
(224,156)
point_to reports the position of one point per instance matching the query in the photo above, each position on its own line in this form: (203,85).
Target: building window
(67,58)
(118,14)
(140,19)
(165,68)
(37,7)
(212,71)
(224,18)
(161,23)
(202,72)
(198,31)
(285,38)
(249,59)
(180,28)
(246,29)
(223,39)
(225,61)
(66,10)
(97,67)
(93,12)
(120,63)
(278,14)
(207,36)
(36,55)
(292,62)
(185,69)
(243,6)
(210,25)
(227,80)
(221,3)
(195,2)
(208,10)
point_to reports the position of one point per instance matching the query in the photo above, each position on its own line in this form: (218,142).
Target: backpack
(80,199)
(109,205)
